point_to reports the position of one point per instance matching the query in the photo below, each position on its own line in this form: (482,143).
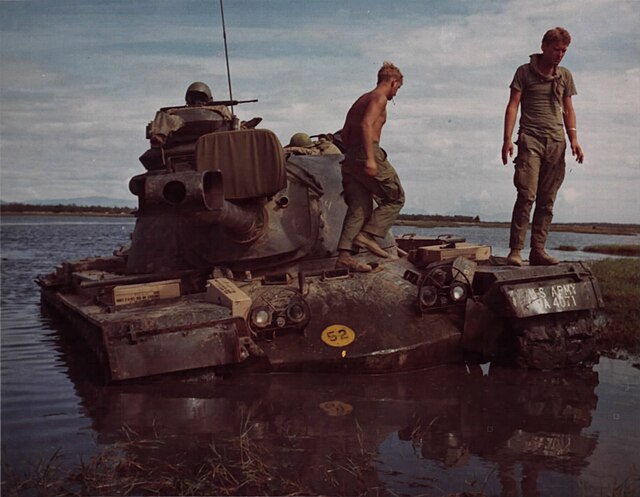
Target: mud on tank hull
(231,265)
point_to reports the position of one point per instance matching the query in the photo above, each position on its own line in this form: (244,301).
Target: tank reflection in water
(449,429)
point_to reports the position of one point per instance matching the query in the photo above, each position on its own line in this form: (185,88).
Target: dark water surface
(431,432)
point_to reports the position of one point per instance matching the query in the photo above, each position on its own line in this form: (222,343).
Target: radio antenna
(226,53)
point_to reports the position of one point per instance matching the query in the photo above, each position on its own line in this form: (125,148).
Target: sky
(79,80)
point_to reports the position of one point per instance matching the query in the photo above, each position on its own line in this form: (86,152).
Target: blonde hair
(555,35)
(388,72)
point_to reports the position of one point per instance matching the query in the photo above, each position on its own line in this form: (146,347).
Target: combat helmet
(300,140)
(198,92)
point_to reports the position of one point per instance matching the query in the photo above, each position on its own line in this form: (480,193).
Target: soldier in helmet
(198,94)
(301,144)
(167,121)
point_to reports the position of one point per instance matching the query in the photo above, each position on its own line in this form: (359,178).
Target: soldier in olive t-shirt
(543,90)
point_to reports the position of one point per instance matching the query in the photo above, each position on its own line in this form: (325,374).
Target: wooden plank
(426,255)
(132,294)
(408,243)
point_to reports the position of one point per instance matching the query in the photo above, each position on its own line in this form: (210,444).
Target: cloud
(80,80)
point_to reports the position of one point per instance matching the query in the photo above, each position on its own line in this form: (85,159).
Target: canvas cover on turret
(252,162)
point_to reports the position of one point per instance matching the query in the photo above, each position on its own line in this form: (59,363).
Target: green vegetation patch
(619,281)
(633,250)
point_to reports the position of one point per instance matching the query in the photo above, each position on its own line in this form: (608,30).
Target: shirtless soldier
(544,89)
(367,174)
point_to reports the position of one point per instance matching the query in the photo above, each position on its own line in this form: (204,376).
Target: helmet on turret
(198,93)
(300,140)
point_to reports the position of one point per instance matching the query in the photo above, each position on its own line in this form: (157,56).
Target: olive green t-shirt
(540,111)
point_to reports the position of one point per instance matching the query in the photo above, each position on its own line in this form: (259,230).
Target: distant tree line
(19,208)
(439,218)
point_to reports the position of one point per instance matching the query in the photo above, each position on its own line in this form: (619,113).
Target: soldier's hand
(576,151)
(507,151)
(371,168)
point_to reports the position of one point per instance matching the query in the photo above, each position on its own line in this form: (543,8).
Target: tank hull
(349,322)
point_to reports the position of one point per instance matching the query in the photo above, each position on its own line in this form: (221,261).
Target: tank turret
(218,196)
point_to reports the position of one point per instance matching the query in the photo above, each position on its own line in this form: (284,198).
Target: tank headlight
(260,317)
(428,295)
(458,292)
(296,312)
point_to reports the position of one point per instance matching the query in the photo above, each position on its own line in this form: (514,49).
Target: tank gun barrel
(227,103)
(231,103)
(198,193)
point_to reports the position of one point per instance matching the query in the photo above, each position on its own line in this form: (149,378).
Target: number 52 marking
(338,335)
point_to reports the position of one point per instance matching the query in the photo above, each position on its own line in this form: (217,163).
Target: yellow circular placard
(338,335)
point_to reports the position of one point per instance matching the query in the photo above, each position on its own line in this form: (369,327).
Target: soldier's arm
(569,117)
(375,107)
(510,116)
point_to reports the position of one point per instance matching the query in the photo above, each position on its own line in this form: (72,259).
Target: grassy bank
(620,285)
(622,250)
(628,250)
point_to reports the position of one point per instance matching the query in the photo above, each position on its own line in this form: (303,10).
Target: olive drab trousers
(361,190)
(539,172)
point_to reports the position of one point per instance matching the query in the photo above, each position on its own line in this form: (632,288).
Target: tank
(231,267)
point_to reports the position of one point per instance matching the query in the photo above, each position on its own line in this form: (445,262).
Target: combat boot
(365,241)
(514,258)
(345,261)
(538,257)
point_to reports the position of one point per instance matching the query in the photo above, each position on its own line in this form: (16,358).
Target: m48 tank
(232,265)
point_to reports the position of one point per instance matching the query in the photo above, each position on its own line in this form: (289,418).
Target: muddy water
(450,429)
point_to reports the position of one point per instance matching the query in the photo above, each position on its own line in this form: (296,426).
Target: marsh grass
(619,281)
(622,250)
(237,465)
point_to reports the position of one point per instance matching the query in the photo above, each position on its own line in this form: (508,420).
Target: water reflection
(414,433)
(426,433)
(519,423)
